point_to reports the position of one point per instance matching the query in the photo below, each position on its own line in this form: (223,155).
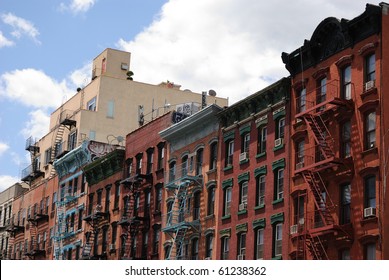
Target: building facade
(253,194)
(191,182)
(338,130)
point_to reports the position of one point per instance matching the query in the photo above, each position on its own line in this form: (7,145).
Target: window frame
(346,82)
(370,130)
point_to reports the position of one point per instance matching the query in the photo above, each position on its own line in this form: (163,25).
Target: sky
(231,46)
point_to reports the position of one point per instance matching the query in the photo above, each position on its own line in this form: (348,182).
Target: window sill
(227,168)
(278,147)
(369,220)
(243,161)
(226,217)
(242,212)
(260,155)
(211,171)
(369,151)
(278,201)
(277,258)
(259,207)
(209,217)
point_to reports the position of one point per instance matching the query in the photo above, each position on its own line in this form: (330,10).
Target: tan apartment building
(105,110)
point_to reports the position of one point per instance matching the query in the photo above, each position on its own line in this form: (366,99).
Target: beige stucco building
(107,108)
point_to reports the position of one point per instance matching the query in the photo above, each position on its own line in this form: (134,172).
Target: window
(280,132)
(172,171)
(346,82)
(300,154)
(99,196)
(321,91)
(260,190)
(110,109)
(370,68)
(370,126)
(298,203)
(196,205)
(90,205)
(161,155)
(277,236)
(243,193)
(114,232)
(346,140)
(158,198)
(369,251)
(345,202)
(262,134)
(169,210)
(208,245)
(91,105)
(104,237)
(103,65)
(150,159)
(229,153)
(117,196)
(344,254)
(48,156)
(72,140)
(147,202)
(107,197)
(92,135)
(185,166)
(245,142)
(80,214)
(227,201)
(156,240)
(259,244)
(241,246)
(199,161)
(211,200)
(301,100)
(139,165)
(279,184)
(369,192)
(195,249)
(213,156)
(167,248)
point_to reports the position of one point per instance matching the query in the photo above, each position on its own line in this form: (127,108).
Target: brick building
(338,130)
(253,193)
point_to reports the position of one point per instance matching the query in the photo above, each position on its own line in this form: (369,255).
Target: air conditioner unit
(112,247)
(294,229)
(242,206)
(369,212)
(241,257)
(278,142)
(369,85)
(243,156)
(299,165)
(207,259)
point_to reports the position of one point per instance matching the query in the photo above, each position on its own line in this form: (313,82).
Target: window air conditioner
(278,142)
(293,229)
(243,156)
(242,206)
(299,165)
(369,212)
(369,85)
(241,257)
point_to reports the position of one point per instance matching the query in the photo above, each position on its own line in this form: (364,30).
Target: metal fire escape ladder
(11,242)
(61,226)
(89,241)
(323,204)
(316,247)
(321,134)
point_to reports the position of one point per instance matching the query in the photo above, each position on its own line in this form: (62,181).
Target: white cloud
(7,181)
(33,88)
(78,6)
(81,77)
(3,148)
(4,42)
(38,124)
(21,26)
(233,47)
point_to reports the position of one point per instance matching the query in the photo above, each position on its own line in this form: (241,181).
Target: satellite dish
(211,92)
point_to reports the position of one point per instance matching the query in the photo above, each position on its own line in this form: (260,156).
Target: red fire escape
(317,163)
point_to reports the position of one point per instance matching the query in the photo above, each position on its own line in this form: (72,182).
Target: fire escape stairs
(60,231)
(316,246)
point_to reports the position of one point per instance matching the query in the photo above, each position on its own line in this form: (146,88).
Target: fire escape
(317,113)
(135,220)
(179,221)
(13,229)
(36,249)
(62,231)
(59,146)
(30,173)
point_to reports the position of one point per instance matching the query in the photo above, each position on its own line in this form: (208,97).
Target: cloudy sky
(231,46)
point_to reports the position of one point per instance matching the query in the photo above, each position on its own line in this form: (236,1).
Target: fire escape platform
(317,109)
(186,179)
(320,165)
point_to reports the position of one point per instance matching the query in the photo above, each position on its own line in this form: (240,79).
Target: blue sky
(231,46)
